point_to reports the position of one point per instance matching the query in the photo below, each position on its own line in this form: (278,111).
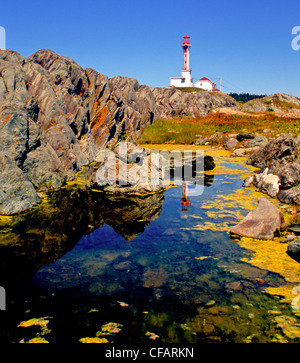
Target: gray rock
(215,138)
(16,193)
(290,196)
(258,141)
(289,175)
(242,152)
(201,140)
(297,140)
(268,183)
(283,149)
(293,250)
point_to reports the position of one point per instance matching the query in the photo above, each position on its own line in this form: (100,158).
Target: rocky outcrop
(171,102)
(56,116)
(277,102)
(265,222)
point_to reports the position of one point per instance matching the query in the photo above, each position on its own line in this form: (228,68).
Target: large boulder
(264,222)
(280,150)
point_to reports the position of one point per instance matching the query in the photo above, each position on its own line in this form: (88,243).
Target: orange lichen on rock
(7,118)
(98,123)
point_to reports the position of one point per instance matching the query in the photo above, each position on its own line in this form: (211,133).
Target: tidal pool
(89,267)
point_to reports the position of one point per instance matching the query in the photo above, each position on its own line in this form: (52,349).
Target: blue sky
(247,43)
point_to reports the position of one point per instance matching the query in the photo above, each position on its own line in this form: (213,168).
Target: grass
(190,89)
(184,131)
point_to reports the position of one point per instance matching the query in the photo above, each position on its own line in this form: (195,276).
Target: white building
(186,79)
(207,85)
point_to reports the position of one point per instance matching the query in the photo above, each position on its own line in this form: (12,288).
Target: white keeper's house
(206,84)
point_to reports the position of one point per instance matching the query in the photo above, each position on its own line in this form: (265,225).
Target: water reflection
(46,233)
(183,283)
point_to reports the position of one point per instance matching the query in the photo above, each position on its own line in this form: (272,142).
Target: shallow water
(83,259)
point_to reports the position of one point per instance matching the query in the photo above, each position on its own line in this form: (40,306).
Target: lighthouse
(186,46)
(186,79)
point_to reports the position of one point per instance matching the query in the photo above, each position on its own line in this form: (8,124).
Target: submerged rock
(235,286)
(264,222)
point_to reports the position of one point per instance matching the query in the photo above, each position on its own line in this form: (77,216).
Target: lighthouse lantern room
(186,79)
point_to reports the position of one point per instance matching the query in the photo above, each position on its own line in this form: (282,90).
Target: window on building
(182,80)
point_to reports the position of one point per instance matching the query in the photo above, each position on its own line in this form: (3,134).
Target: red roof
(205,79)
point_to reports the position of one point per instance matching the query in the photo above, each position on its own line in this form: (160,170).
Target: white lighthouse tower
(186,79)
